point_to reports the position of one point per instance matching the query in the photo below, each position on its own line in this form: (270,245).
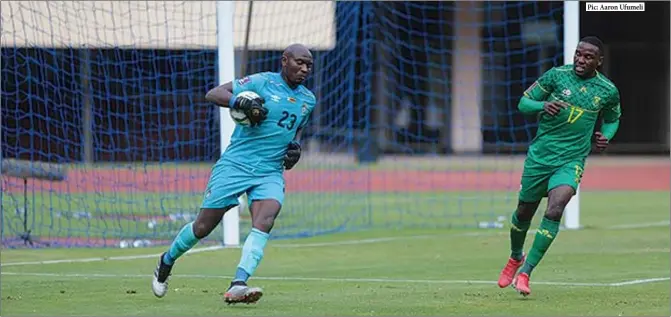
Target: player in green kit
(568,101)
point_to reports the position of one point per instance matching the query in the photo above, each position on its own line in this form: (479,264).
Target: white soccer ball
(238,116)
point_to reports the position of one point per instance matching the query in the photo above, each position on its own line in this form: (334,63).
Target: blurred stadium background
(409,176)
(416,124)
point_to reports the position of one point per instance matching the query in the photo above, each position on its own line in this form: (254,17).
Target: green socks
(518,233)
(545,234)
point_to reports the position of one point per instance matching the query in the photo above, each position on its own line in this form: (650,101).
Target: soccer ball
(238,116)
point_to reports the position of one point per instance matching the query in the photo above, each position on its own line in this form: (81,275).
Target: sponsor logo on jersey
(244,80)
(304,109)
(291,99)
(275,98)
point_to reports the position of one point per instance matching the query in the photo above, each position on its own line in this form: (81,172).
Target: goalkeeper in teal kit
(568,101)
(253,164)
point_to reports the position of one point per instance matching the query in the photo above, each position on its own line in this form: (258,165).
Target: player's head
(588,56)
(296,63)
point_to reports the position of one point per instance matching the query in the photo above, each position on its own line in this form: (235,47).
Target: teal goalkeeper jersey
(260,150)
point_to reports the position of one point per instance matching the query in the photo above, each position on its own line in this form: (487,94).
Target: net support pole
(466,125)
(571,39)
(87,116)
(226,69)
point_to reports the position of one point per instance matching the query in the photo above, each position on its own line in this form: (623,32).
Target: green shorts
(538,180)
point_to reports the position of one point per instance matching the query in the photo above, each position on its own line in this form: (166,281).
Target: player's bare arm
(299,133)
(221,95)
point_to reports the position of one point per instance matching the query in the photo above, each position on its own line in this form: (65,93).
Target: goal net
(416,123)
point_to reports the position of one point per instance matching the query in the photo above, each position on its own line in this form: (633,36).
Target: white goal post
(571,39)
(226,68)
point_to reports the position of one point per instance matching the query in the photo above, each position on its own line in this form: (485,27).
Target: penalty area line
(333,279)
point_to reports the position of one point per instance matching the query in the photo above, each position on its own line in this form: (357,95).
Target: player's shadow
(237,306)
(518,296)
(225,305)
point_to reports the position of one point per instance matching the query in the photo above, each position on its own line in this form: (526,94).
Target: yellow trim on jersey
(572,105)
(607,82)
(541,87)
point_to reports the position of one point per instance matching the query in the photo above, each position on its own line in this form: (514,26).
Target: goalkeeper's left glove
(293,155)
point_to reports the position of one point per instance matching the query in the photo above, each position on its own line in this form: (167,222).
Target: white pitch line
(309,245)
(214,248)
(642,281)
(111,258)
(333,279)
(642,225)
(375,240)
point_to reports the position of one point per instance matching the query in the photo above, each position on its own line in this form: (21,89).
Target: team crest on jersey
(596,100)
(566,92)
(244,80)
(583,89)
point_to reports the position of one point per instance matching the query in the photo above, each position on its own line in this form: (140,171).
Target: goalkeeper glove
(293,155)
(252,108)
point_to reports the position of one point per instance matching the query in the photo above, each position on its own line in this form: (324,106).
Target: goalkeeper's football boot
(521,284)
(160,282)
(509,271)
(239,292)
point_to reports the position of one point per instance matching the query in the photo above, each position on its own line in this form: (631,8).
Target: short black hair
(594,41)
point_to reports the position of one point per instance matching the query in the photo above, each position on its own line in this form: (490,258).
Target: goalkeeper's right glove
(252,108)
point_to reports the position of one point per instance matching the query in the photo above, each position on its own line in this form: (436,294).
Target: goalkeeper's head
(296,64)
(588,56)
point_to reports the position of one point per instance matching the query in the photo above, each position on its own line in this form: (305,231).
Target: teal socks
(184,241)
(252,253)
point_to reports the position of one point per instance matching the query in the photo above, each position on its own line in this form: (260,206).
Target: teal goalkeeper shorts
(227,182)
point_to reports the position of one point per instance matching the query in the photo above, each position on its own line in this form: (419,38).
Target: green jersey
(567,136)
